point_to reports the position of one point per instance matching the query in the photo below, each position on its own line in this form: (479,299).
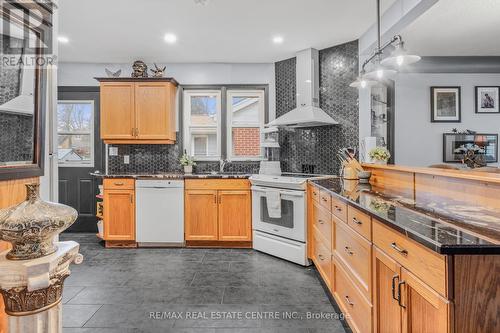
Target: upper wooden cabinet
(140,111)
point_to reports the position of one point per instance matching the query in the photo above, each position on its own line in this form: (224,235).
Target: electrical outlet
(126,159)
(113,151)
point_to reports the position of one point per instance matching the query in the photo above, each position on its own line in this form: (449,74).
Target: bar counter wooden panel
(11,193)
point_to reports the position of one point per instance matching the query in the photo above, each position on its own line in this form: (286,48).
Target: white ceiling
(457,28)
(119,31)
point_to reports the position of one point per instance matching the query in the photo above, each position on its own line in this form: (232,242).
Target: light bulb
(363,84)
(400,60)
(380,73)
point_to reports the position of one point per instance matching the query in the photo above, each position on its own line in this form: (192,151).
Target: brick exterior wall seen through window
(246,141)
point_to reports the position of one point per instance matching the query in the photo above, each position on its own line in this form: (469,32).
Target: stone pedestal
(32,289)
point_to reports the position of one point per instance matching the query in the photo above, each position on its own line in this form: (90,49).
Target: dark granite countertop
(438,233)
(225,175)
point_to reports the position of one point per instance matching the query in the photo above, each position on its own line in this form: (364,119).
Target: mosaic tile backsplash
(314,149)
(165,158)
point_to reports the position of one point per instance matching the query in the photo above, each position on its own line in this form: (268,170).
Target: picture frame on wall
(446,105)
(456,146)
(487,99)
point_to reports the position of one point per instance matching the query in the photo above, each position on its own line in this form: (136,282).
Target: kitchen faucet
(222,164)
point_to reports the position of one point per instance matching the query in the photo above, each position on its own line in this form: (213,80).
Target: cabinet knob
(398,249)
(348,301)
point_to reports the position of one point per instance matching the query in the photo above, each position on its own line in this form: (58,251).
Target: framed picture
(456,145)
(445,105)
(487,99)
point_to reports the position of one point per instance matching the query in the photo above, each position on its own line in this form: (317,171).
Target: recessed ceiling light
(170,38)
(278,39)
(63,39)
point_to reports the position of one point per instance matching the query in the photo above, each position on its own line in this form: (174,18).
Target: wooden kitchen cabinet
(218,210)
(386,275)
(423,309)
(235,222)
(201,210)
(119,215)
(117,111)
(140,111)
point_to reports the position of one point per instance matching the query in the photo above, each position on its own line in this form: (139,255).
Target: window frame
(79,164)
(186,110)
(230,93)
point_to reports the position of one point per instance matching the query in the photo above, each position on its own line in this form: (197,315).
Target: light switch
(113,151)
(126,159)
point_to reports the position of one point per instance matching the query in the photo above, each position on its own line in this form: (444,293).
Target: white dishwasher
(159,212)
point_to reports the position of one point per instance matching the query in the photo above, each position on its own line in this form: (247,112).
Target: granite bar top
(438,233)
(225,175)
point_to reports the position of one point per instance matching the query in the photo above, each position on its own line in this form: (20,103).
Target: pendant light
(400,57)
(380,70)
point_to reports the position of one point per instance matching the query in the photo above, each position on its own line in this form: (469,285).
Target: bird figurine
(113,74)
(158,72)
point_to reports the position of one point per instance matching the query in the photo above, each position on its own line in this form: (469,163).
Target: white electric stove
(284,237)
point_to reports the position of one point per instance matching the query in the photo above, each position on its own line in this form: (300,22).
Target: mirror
(454,91)
(22,96)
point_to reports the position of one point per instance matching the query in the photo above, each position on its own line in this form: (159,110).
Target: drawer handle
(399,294)
(348,250)
(355,220)
(338,209)
(119,184)
(321,222)
(324,199)
(320,256)
(393,287)
(348,301)
(400,250)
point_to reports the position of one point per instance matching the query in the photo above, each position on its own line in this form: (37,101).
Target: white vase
(188,169)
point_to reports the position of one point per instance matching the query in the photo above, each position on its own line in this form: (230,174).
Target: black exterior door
(79,153)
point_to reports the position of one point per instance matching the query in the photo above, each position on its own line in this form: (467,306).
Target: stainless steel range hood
(307,113)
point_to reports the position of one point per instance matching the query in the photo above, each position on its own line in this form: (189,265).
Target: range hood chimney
(307,113)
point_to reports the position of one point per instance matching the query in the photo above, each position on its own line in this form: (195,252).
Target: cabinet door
(386,276)
(200,215)
(117,110)
(424,310)
(119,215)
(235,222)
(154,110)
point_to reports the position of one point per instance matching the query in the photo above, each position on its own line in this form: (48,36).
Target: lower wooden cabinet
(201,209)
(119,214)
(222,213)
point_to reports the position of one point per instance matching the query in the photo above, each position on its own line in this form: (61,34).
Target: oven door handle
(282,192)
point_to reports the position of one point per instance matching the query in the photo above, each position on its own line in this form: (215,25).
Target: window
(75,133)
(245,119)
(202,123)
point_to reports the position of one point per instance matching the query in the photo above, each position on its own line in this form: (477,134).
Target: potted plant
(187,162)
(379,155)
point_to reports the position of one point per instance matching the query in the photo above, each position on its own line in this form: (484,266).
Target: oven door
(291,224)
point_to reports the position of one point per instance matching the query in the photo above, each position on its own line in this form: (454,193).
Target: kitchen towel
(273,199)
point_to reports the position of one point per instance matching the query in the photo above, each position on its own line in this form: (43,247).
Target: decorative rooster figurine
(158,72)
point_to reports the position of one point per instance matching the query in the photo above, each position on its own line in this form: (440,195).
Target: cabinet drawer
(322,259)
(323,224)
(430,267)
(355,252)
(339,209)
(325,199)
(119,184)
(360,222)
(217,184)
(352,302)
(315,193)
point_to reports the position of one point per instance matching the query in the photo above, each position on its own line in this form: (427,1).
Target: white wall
(419,142)
(82,74)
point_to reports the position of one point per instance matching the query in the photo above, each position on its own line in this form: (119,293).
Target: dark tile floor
(191,290)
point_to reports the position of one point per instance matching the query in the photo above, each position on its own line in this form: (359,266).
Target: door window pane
(75,129)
